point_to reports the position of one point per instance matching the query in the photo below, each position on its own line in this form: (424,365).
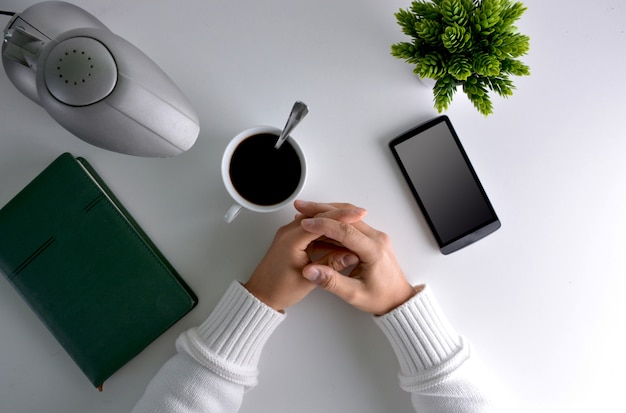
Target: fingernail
(312,274)
(350,259)
(360,211)
(308,222)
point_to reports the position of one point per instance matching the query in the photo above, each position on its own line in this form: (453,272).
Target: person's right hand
(377,284)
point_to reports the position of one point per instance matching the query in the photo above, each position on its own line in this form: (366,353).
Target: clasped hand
(329,245)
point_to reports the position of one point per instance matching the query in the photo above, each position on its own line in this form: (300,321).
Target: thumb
(331,280)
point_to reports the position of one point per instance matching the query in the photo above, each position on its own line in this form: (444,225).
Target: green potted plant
(469,43)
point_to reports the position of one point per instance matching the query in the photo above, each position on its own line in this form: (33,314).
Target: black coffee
(264,175)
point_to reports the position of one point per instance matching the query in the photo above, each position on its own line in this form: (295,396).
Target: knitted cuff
(230,340)
(426,345)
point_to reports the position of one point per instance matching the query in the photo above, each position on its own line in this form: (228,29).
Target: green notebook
(87,269)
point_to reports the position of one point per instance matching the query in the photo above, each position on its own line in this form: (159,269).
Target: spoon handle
(298,112)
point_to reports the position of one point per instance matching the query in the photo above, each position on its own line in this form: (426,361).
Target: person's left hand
(277,281)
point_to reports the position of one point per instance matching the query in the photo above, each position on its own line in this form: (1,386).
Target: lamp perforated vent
(80,71)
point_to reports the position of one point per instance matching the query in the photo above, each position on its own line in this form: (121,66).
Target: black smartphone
(444,183)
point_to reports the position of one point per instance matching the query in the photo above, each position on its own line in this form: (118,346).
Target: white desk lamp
(95,84)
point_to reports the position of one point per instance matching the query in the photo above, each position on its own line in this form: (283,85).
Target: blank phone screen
(444,182)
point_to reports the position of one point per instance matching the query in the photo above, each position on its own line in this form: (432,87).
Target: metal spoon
(298,112)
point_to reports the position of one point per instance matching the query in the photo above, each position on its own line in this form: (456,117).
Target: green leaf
(486,65)
(469,6)
(456,38)
(403,50)
(454,12)
(487,16)
(460,67)
(477,93)
(514,67)
(443,91)
(432,65)
(409,52)
(501,85)
(429,30)
(509,44)
(426,9)
(407,21)
(510,13)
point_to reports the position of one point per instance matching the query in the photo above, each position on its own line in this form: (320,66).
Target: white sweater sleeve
(216,361)
(436,365)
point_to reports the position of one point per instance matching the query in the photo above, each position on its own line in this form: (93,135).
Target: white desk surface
(542,299)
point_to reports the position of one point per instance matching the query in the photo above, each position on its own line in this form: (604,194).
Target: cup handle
(232,212)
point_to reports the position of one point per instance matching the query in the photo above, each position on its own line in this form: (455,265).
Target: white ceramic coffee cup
(241,202)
